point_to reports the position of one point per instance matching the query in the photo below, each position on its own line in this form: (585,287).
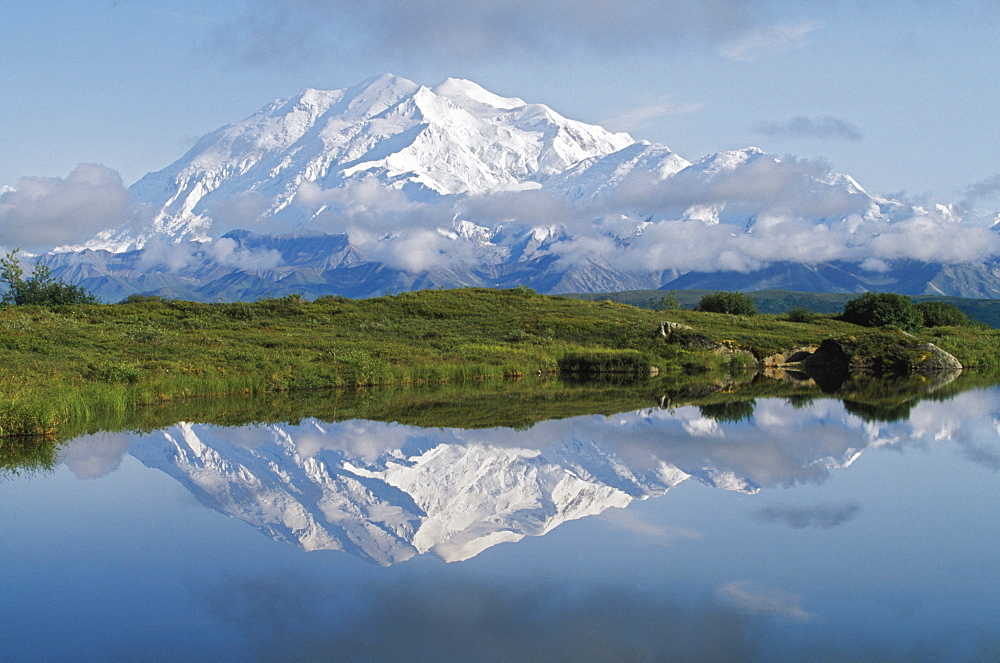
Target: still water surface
(799,532)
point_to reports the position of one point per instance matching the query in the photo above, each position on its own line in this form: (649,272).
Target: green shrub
(732,303)
(941,314)
(144,299)
(41,288)
(113,373)
(883,309)
(800,314)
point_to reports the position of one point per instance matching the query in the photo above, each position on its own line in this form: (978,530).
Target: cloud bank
(713,217)
(42,212)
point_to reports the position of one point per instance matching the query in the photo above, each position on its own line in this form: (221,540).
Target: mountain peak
(462,88)
(454,139)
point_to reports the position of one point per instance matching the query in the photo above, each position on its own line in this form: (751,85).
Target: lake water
(778,530)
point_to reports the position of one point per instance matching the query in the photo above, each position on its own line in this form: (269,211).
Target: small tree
(41,288)
(668,303)
(883,309)
(733,303)
(941,314)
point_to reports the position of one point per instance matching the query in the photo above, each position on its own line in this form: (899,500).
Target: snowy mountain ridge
(455,138)
(453,185)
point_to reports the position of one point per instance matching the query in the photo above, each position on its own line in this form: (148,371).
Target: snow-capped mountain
(390,185)
(455,138)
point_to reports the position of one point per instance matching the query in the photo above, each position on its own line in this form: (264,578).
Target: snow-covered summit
(454,138)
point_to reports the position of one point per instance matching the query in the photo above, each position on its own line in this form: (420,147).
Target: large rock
(881,353)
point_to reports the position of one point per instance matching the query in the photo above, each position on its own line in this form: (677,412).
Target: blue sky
(902,95)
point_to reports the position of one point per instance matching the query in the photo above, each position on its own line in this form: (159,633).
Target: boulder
(881,353)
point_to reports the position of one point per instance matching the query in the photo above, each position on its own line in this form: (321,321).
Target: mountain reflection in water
(386,492)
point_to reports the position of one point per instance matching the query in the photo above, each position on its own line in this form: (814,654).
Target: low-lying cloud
(43,212)
(177,257)
(982,191)
(742,212)
(801,126)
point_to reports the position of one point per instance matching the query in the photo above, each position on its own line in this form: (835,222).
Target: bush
(940,314)
(883,309)
(800,314)
(733,303)
(41,288)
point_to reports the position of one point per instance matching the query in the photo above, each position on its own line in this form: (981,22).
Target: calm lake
(775,529)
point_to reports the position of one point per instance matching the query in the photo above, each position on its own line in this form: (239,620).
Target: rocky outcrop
(878,354)
(875,353)
(681,334)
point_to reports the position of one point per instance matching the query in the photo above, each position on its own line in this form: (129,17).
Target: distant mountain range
(390,185)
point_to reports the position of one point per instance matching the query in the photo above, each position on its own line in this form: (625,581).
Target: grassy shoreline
(67,364)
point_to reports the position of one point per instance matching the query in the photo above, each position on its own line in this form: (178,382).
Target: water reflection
(386,492)
(891,559)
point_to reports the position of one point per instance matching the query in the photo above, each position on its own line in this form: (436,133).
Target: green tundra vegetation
(64,365)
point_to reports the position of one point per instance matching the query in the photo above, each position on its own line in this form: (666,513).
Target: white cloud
(417,250)
(638,117)
(44,212)
(227,251)
(245,211)
(94,456)
(772,39)
(176,257)
(766,210)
